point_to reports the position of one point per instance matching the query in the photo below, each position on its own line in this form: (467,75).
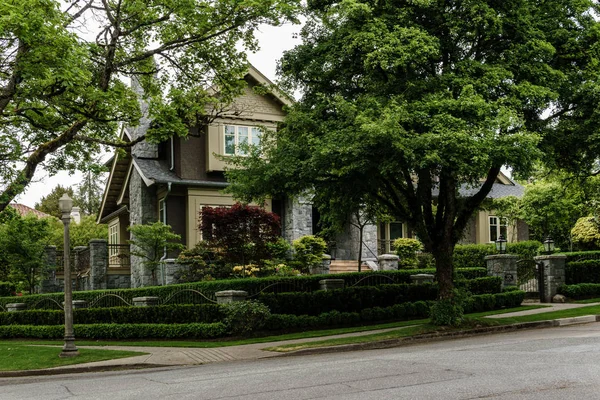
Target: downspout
(162,260)
(172,159)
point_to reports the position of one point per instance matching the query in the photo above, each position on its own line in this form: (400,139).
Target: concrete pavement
(178,356)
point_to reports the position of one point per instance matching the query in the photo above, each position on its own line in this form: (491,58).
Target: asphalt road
(555,363)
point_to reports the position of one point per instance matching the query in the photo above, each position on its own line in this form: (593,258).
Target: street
(555,363)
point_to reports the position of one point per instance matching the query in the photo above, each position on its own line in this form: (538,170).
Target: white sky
(273,40)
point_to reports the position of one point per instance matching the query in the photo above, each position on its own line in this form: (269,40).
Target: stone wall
(297,218)
(118,281)
(347,243)
(142,210)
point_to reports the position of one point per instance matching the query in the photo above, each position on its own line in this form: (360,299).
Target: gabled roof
(277,93)
(24,210)
(156,172)
(118,173)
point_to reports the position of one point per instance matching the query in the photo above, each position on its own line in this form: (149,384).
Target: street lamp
(548,245)
(501,245)
(65,204)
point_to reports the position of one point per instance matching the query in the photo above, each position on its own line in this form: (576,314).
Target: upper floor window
(113,238)
(237,135)
(498,226)
(162,211)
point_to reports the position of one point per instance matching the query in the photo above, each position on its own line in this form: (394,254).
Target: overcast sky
(273,40)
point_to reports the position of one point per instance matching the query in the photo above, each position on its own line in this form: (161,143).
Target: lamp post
(548,245)
(65,204)
(501,245)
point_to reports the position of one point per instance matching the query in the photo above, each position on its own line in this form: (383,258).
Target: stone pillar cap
(550,256)
(98,241)
(423,275)
(326,257)
(231,293)
(330,281)
(145,298)
(388,257)
(16,305)
(500,256)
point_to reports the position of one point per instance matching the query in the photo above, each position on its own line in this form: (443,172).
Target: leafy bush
(587,271)
(202,263)
(473,255)
(448,312)
(586,233)
(484,285)
(171,314)
(243,317)
(309,250)
(7,288)
(582,255)
(241,233)
(118,331)
(407,250)
(487,302)
(580,291)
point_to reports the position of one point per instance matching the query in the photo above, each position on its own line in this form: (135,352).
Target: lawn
(15,356)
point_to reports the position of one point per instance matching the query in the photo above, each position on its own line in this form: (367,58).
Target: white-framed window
(113,238)
(498,226)
(162,211)
(388,232)
(236,135)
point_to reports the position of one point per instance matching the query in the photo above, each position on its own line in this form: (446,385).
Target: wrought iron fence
(527,276)
(119,256)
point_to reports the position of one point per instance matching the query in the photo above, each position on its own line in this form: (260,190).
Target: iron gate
(530,278)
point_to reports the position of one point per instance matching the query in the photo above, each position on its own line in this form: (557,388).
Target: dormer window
(237,135)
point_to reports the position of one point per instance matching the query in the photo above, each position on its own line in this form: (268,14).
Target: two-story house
(172,181)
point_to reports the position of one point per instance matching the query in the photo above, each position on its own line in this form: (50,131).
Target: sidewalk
(178,356)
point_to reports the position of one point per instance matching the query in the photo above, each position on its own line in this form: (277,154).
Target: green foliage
(23,240)
(63,94)
(80,234)
(241,233)
(151,241)
(309,250)
(586,233)
(448,312)
(487,302)
(407,250)
(7,289)
(201,263)
(580,291)
(169,314)
(586,271)
(473,255)
(49,204)
(118,331)
(582,255)
(243,317)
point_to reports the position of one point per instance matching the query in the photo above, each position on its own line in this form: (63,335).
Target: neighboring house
(24,210)
(172,181)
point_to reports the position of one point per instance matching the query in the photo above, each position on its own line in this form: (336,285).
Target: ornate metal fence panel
(373,280)
(281,287)
(119,256)
(108,299)
(188,296)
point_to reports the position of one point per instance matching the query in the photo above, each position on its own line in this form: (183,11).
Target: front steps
(343,266)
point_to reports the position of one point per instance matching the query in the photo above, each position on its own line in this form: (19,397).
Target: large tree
(63,64)
(408,102)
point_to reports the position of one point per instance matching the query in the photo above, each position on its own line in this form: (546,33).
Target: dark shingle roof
(159,172)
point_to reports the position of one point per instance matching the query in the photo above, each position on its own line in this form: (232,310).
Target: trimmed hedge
(473,255)
(580,291)
(582,255)
(7,289)
(587,271)
(173,314)
(118,331)
(251,285)
(487,302)
(355,299)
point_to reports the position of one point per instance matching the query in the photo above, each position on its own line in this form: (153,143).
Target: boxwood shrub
(178,294)
(587,271)
(7,289)
(473,255)
(582,255)
(580,291)
(173,314)
(118,331)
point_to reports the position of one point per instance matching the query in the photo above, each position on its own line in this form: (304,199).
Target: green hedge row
(473,255)
(587,271)
(118,331)
(580,291)
(251,285)
(582,255)
(355,299)
(488,302)
(7,289)
(173,314)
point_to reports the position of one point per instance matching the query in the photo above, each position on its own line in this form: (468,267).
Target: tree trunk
(444,268)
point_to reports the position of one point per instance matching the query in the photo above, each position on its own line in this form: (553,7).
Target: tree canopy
(63,65)
(417,105)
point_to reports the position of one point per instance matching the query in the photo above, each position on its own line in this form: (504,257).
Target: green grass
(574,312)
(588,301)
(20,357)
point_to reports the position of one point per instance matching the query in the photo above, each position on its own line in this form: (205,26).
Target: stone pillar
(419,279)
(49,283)
(231,296)
(297,218)
(145,301)
(13,307)
(504,266)
(326,263)
(142,210)
(169,272)
(331,284)
(554,274)
(388,262)
(98,264)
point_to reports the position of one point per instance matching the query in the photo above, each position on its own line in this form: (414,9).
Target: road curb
(435,336)
(78,370)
